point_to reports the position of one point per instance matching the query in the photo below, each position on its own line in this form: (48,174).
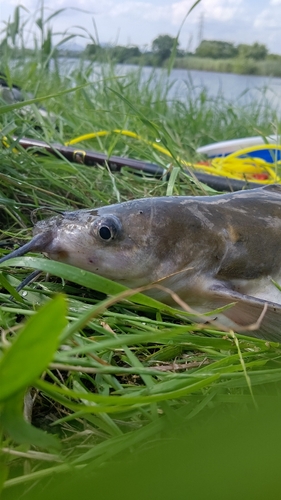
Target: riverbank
(267,67)
(271,66)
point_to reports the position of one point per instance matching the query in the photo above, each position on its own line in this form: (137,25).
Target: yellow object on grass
(238,165)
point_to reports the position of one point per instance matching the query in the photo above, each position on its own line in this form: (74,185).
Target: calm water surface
(237,89)
(232,87)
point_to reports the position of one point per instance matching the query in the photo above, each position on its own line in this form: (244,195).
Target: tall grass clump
(103,370)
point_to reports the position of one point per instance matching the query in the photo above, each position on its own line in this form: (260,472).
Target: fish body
(210,250)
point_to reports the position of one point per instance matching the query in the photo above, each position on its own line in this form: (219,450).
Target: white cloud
(173,12)
(269,18)
(141,10)
(219,10)
(140,21)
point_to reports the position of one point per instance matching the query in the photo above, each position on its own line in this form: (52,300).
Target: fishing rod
(92,158)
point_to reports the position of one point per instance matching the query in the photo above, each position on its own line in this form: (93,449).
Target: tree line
(163,46)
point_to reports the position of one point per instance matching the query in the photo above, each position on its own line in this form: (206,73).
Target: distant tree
(119,53)
(256,51)
(272,57)
(162,46)
(92,49)
(216,49)
(122,54)
(181,53)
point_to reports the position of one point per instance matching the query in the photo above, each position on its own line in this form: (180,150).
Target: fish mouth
(39,243)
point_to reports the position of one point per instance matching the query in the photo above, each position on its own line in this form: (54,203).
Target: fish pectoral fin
(250,315)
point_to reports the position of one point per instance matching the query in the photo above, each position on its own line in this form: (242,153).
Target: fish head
(127,242)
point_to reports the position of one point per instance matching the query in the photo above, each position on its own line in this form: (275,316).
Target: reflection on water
(234,88)
(237,89)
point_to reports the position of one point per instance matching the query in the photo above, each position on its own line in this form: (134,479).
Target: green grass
(107,372)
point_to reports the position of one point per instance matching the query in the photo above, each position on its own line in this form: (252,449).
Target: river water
(237,89)
(234,88)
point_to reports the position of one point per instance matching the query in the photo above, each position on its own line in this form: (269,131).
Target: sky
(129,22)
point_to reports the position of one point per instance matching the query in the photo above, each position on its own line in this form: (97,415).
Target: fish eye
(105,233)
(107,228)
